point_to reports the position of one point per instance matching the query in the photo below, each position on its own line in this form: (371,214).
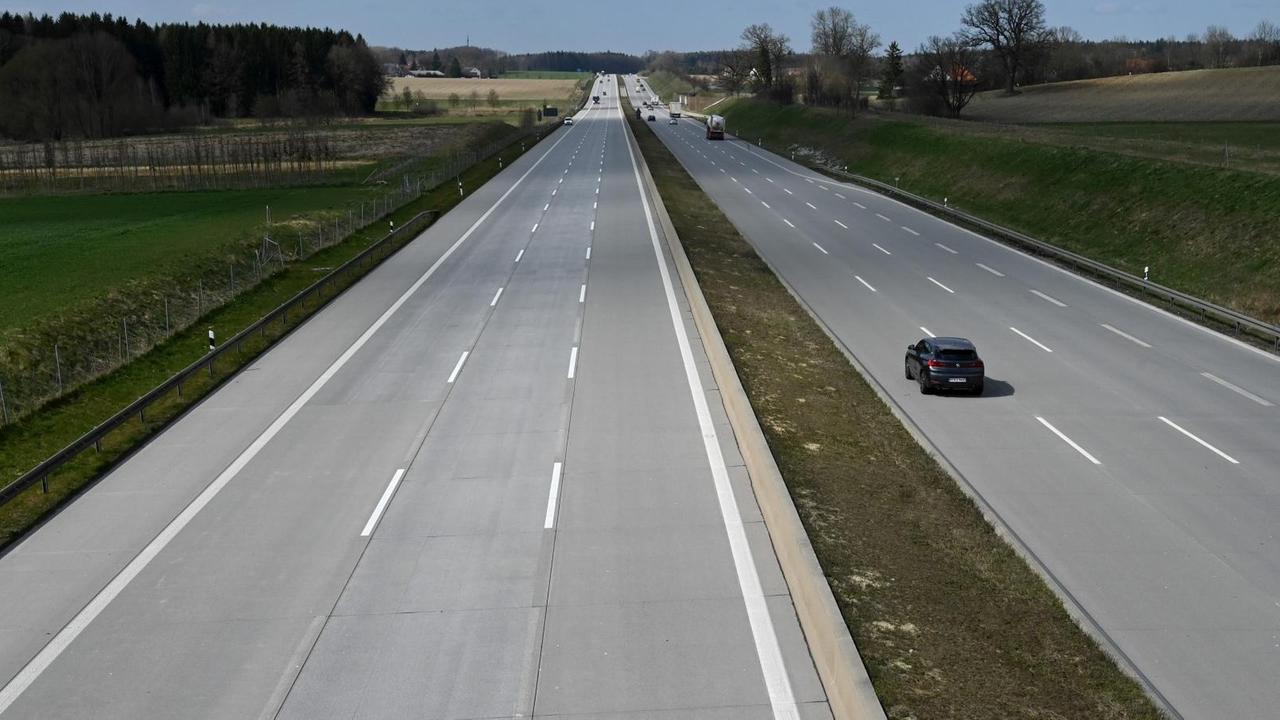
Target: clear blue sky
(639,25)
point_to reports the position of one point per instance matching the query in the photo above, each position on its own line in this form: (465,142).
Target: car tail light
(974,364)
(937,363)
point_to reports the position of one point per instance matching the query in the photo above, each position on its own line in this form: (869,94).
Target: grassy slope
(667,85)
(26,443)
(1235,135)
(950,621)
(1207,231)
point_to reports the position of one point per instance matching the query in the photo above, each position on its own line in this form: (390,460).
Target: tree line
(491,63)
(93,76)
(1001,44)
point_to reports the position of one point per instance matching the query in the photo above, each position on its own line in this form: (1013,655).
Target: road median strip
(948,618)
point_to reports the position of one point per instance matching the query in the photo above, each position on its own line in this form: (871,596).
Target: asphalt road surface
(492,480)
(1136,454)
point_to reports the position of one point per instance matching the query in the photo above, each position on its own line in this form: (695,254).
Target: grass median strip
(25,444)
(950,621)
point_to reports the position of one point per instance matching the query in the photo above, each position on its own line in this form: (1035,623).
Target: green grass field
(546,75)
(1256,135)
(58,251)
(667,85)
(1205,230)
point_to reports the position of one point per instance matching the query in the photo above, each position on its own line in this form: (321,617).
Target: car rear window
(957,355)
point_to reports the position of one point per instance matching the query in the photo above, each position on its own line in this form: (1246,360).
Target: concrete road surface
(494,479)
(1136,454)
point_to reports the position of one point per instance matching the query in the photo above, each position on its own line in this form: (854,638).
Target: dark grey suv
(945,363)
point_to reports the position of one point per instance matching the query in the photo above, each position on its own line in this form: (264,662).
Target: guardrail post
(4,408)
(57,364)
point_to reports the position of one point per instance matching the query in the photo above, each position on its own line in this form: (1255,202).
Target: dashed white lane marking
(811,205)
(913,232)
(859,205)
(926,331)
(865,284)
(824,187)
(846,227)
(573,361)
(744,187)
(787,191)
(944,247)
(768,179)
(1125,335)
(582,293)
(883,217)
(556,190)
(458,368)
(595,205)
(886,252)
(944,287)
(841,196)
(1031,340)
(382,503)
(552,496)
(788,222)
(821,249)
(765,204)
(1237,389)
(733,178)
(535,228)
(755,171)
(588,252)
(593,226)
(1211,448)
(993,271)
(1068,441)
(546,207)
(496,295)
(519,254)
(1053,300)
(721,169)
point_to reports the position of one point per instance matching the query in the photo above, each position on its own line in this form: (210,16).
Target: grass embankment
(1206,231)
(668,86)
(949,619)
(25,444)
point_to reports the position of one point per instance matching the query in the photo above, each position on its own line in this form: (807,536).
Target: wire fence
(41,364)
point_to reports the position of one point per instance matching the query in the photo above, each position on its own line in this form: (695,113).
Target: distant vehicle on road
(676,109)
(673,121)
(949,363)
(595,99)
(652,117)
(568,121)
(715,127)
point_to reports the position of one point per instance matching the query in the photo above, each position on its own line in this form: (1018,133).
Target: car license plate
(956,379)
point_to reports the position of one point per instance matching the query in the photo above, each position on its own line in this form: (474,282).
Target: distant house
(393,70)
(426,73)
(471,72)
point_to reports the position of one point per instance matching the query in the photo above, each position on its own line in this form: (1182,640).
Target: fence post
(166,315)
(57,364)
(4,408)
(124,339)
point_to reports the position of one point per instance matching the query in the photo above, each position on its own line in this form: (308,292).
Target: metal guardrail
(1238,321)
(314,293)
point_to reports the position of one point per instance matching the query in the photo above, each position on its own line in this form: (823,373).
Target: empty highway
(492,480)
(1134,453)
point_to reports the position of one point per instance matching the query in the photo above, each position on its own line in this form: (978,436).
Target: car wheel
(906,369)
(977,389)
(924,386)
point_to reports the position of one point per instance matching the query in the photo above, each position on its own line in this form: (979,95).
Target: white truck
(715,127)
(675,109)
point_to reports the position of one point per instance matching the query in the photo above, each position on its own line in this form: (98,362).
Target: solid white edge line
(552,497)
(1125,335)
(458,368)
(496,295)
(944,287)
(382,503)
(777,683)
(573,361)
(927,331)
(69,632)
(993,271)
(1236,388)
(824,250)
(1207,446)
(1050,298)
(864,282)
(846,227)
(1068,441)
(1031,340)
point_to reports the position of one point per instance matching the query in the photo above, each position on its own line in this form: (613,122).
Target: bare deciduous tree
(1011,28)
(735,69)
(1266,41)
(769,48)
(845,46)
(943,72)
(1217,46)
